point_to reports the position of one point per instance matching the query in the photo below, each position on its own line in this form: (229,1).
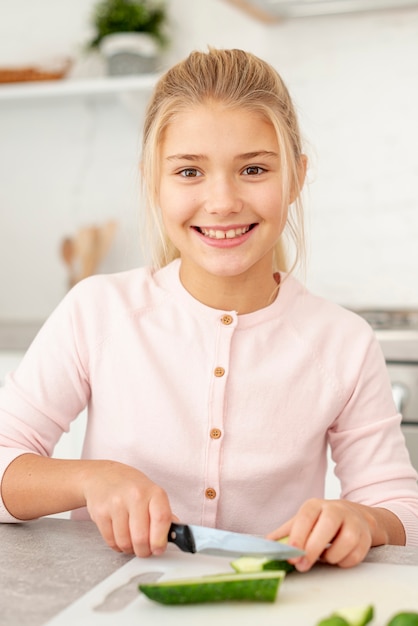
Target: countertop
(49,563)
(18,335)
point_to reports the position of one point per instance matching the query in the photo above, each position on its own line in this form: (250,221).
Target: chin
(227,270)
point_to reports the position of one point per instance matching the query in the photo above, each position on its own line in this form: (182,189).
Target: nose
(223,197)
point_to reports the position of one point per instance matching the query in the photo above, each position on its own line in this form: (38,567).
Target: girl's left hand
(335,531)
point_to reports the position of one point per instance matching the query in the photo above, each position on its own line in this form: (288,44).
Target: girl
(214,381)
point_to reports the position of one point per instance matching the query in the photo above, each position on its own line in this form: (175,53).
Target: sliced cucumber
(357,615)
(350,616)
(404,619)
(255,587)
(248,564)
(333,621)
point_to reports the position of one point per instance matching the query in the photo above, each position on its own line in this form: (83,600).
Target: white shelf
(77,87)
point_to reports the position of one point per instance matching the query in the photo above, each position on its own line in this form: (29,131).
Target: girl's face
(221,192)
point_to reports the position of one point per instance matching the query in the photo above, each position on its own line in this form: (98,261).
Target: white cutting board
(302,600)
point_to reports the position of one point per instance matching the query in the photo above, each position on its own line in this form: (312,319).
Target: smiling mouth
(230,233)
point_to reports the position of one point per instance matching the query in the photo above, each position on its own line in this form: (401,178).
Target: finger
(285,530)
(121,531)
(161,517)
(315,526)
(281,531)
(355,557)
(106,530)
(323,533)
(349,547)
(139,524)
(302,526)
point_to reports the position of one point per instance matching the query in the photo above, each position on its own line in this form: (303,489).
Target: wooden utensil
(83,253)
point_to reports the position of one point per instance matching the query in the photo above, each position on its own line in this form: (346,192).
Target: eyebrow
(257,153)
(201,157)
(186,157)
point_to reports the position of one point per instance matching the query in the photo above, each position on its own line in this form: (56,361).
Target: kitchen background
(70,159)
(67,162)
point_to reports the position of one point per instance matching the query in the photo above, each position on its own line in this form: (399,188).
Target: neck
(244,293)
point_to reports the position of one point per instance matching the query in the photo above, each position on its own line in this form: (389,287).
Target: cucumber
(350,616)
(248,564)
(357,615)
(404,619)
(254,587)
(333,621)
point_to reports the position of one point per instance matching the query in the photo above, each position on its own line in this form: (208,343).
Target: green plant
(123,16)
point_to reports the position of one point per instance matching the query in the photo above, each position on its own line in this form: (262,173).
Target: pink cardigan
(230,414)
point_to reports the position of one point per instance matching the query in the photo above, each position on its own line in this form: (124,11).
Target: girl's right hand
(132,513)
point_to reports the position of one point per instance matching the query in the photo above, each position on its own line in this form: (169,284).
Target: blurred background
(69,148)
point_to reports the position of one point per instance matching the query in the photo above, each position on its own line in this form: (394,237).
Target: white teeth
(222,234)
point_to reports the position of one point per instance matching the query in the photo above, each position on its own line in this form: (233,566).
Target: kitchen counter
(18,336)
(49,563)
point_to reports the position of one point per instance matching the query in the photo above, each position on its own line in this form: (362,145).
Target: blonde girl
(213,380)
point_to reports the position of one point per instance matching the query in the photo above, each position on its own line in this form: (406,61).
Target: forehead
(215,124)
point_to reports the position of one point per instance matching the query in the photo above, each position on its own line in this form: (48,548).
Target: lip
(225,243)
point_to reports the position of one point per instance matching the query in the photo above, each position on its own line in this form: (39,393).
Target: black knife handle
(181,535)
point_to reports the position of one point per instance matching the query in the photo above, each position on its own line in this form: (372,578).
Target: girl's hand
(132,513)
(336,531)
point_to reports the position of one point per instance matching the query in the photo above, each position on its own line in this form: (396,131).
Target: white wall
(65,164)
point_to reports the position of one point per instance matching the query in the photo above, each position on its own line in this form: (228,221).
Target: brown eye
(189,172)
(253,170)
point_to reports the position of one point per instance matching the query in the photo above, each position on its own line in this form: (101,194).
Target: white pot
(130,53)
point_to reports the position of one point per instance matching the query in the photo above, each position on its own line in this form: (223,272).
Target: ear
(302,166)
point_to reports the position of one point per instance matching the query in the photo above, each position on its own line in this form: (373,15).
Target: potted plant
(130,34)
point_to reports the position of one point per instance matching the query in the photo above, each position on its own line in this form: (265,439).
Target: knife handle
(181,535)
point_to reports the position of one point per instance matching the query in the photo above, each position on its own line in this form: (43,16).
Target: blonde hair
(237,79)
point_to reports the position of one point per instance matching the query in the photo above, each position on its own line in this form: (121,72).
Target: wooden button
(219,371)
(215,433)
(210,493)
(227,319)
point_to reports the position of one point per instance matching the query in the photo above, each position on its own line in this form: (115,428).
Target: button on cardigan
(230,414)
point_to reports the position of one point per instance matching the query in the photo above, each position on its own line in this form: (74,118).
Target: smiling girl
(214,380)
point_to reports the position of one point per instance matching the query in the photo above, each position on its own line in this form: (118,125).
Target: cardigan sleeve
(368,447)
(45,393)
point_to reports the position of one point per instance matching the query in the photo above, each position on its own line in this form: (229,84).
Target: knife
(218,542)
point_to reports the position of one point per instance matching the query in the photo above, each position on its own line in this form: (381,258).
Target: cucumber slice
(357,615)
(333,621)
(404,619)
(248,564)
(350,616)
(255,587)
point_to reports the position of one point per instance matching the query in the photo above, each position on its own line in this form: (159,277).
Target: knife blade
(190,538)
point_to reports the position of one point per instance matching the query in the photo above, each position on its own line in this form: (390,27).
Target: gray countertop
(18,335)
(49,563)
